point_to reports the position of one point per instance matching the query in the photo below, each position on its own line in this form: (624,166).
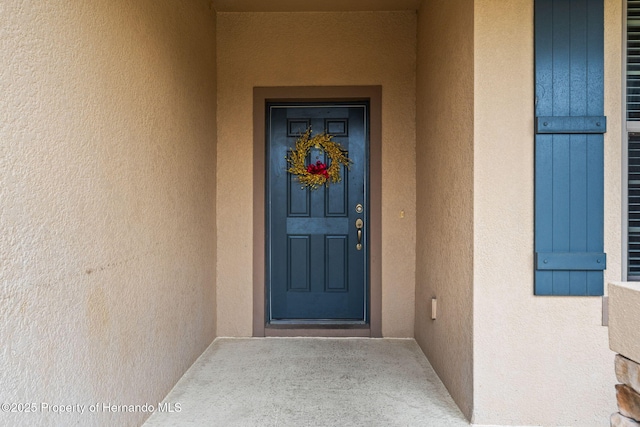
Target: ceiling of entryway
(313,5)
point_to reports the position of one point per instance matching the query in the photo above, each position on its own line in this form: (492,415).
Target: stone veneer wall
(624,339)
(627,393)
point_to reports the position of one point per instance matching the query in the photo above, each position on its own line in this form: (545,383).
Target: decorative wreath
(316,174)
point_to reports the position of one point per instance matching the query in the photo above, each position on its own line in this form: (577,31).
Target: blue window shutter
(569,147)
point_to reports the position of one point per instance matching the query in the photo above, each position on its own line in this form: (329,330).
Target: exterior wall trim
(317,93)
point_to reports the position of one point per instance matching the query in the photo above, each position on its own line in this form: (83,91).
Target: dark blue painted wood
(578,207)
(298,200)
(314,270)
(336,264)
(318,225)
(569,124)
(299,263)
(595,207)
(336,196)
(571,261)
(569,171)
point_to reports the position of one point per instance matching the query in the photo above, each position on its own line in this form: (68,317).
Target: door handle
(359,225)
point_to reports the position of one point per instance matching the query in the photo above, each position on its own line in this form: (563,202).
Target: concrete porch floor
(310,382)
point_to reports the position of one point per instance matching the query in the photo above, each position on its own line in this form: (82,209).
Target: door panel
(315,270)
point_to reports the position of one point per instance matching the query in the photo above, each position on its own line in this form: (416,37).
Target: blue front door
(317,239)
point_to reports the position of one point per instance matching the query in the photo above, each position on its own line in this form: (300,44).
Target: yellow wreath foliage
(297,158)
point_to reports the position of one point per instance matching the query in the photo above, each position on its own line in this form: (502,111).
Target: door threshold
(317,330)
(320,324)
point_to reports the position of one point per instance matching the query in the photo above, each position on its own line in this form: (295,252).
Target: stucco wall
(315,49)
(107,202)
(537,360)
(444,151)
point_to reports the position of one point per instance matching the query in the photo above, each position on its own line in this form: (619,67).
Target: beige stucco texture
(107,203)
(537,360)
(444,153)
(315,49)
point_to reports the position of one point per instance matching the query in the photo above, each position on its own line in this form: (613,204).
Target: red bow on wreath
(318,169)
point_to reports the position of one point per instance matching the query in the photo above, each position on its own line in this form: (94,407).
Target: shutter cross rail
(571,261)
(571,124)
